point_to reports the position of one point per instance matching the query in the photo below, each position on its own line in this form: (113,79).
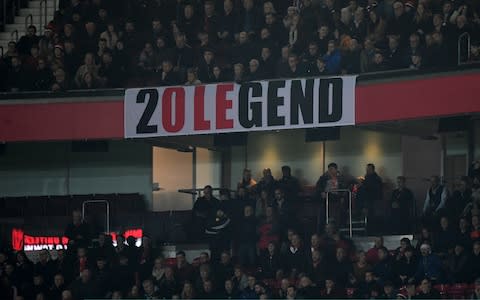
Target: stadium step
(35,9)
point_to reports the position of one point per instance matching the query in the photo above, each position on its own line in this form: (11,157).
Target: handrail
(30,16)
(1,51)
(461,38)
(43,13)
(350,228)
(4,4)
(107,211)
(14,33)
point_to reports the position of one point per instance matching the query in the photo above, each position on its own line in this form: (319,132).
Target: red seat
(457,291)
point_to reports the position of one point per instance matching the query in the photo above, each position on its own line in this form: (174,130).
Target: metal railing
(107,211)
(14,34)
(43,13)
(327,205)
(28,18)
(461,40)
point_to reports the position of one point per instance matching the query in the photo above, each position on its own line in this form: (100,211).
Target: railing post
(14,33)
(30,16)
(461,38)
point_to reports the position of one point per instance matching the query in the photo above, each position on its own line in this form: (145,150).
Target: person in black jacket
(370,191)
(296,257)
(270,261)
(218,233)
(247,237)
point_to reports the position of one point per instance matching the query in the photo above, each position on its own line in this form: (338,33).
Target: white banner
(230,107)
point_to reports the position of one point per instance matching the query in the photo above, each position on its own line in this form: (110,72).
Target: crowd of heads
(93,44)
(260,249)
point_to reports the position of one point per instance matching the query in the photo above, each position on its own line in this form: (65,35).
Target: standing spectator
(131,39)
(227,25)
(189,23)
(218,231)
(370,192)
(210,20)
(461,196)
(249,20)
(445,241)
(203,210)
(78,230)
(435,200)
(147,60)
(401,206)
(247,238)
(475,260)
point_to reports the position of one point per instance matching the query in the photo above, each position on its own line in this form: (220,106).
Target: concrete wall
(352,152)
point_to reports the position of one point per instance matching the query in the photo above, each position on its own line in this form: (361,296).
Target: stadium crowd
(258,251)
(94,44)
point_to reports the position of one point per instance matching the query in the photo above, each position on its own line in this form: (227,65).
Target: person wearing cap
(429,265)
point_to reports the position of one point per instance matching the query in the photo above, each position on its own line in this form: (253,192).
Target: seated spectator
(367,286)
(341,268)
(205,66)
(158,270)
(188,291)
(475,260)
(218,75)
(168,286)
(372,253)
(28,40)
(42,76)
(459,266)
(89,82)
(383,268)
(183,270)
(317,267)
(238,73)
(31,61)
(360,267)
(295,69)
(192,77)
(249,291)
(429,265)
(389,291)
(331,290)
(426,291)
(168,76)
(242,52)
(85,287)
(378,64)
(404,267)
(445,241)
(17,77)
(110,74)
(183,54)
(332,58)
(147,60)
(149,289)
(110,36)
(57,288)
(89,66)
(254,72)
(70,57)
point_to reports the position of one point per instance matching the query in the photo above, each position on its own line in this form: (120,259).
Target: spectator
(405,267)
(361,267)
(189,23)
(341,268)
(249,20)
(332,58)
(401,206)
(376,26)
(17,78)
(426,290)
(131,38)
(85,287)
(210,21)
(218,75)
(183,270)
(295,68)
(147,60)
(445,241)
(461,196)
(188,291)
(89,66)
(476,292)
(149,289)
(60,84)
(218,231)
(168,286)
(110,36)
(192,78)
(370,192)
(242,52)
(238,73)
(206,64)
(42,76)
(247,238)
(383,268)
(28,40)
(227,25)
(475,260)
(395,57)
(435,200)
(183,54)
(459,265)
(331,291)
(168,76)
(230,291)
(429,265)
